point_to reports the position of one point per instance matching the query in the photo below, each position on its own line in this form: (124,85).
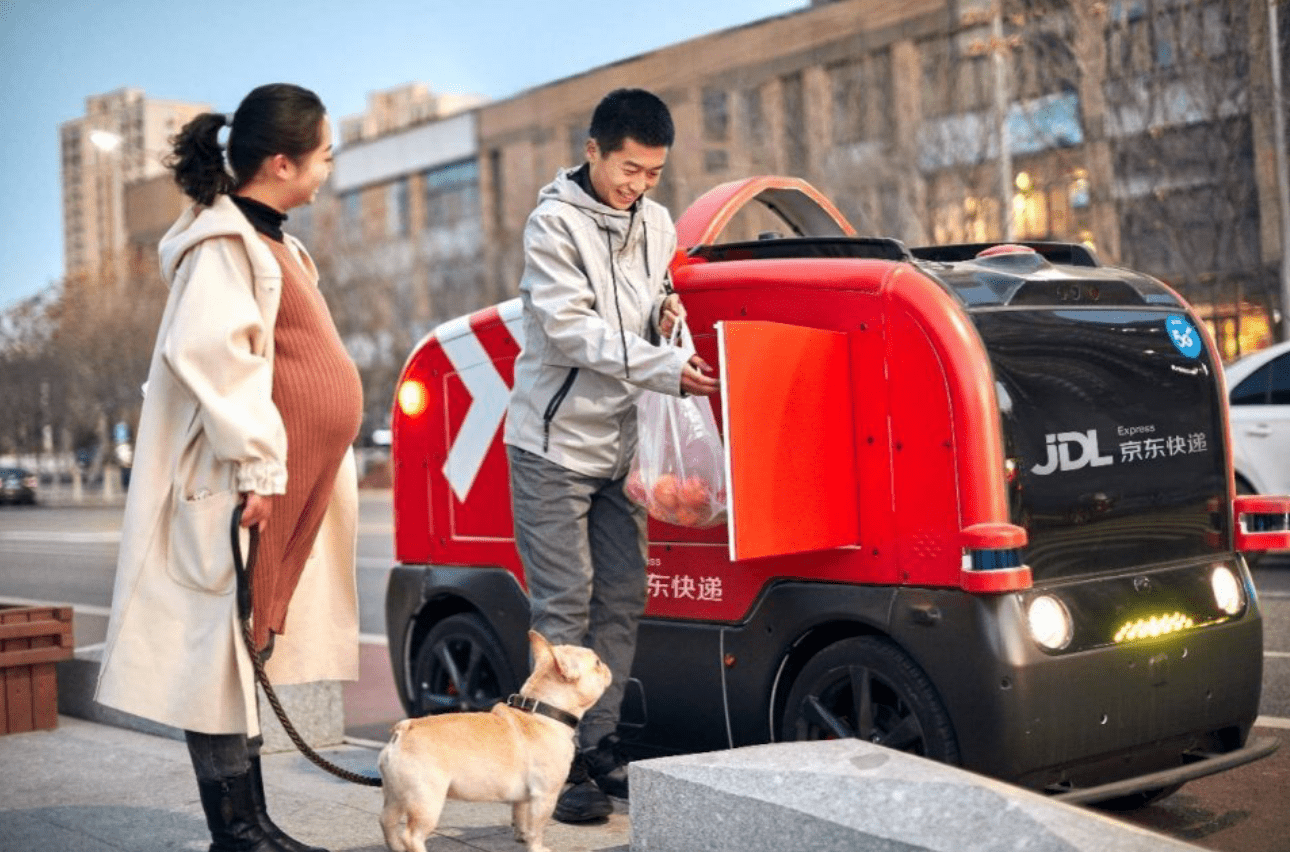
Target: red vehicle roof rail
(800,206)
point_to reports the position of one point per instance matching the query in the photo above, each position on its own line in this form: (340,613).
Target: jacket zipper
(554,405)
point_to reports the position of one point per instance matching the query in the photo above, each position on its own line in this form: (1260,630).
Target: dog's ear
(541,650)
(563,667)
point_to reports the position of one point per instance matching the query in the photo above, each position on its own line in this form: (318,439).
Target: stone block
(317,710)
(855,796)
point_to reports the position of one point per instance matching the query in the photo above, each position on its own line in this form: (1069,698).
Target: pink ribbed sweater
(317,390)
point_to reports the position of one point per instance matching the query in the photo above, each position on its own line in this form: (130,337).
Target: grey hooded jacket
(594,280)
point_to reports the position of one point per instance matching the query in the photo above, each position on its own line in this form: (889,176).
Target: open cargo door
(789,438)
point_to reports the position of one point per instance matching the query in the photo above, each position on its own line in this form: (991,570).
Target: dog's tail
(391,749)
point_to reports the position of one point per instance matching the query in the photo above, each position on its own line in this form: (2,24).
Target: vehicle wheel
(459,667)
(1133,801)
(868,688)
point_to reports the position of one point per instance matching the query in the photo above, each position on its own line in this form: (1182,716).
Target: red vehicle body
(981,509)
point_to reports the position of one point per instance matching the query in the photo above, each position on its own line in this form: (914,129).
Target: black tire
(460,667)
(868,688)
(1134,801)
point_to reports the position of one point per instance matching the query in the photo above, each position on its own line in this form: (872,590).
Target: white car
(1259,391)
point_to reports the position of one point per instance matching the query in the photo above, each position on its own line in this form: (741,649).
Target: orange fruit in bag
(694,494)
(688,517)
(665,496)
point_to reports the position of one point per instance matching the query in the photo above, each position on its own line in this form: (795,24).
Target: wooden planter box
(32,640)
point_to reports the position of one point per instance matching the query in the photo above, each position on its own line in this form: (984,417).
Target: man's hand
(255,510)
(670,314)
(693,380)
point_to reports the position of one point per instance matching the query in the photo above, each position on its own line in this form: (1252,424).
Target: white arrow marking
(488,393)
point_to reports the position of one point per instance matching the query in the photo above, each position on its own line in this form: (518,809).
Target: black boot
(271,830)
(230,815)
(607,766)
(584,801)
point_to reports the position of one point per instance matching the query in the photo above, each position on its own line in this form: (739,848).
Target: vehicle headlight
(1227,590)
(1050,622)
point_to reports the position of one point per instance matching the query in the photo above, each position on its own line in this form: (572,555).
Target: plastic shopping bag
(679,471)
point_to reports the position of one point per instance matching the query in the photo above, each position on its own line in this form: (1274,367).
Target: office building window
(794,107)
(351,216)
(398,216)
(861,98)
(716,115)
(451,193)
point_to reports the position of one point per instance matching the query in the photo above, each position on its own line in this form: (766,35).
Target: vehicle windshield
(1114,423)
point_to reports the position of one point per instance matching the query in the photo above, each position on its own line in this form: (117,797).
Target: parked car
(17,485)
(979,510)
(1259,391)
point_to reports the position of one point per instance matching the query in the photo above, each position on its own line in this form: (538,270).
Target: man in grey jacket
(598,310)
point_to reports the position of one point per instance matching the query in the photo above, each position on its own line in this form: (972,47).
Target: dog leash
(244,570)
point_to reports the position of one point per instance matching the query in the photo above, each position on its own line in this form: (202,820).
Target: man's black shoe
(583,802)
(577,770)
(607,766)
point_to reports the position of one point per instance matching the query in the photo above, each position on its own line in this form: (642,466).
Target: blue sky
(54,53)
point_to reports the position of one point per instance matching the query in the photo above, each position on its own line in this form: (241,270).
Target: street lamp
(111,192)
(1283,171)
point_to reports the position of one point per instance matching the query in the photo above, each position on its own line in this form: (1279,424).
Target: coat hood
(220,219)
(567,190)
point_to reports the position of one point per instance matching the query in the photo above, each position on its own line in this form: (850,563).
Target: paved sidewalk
(87,787)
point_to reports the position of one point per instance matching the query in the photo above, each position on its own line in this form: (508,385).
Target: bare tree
(30,377)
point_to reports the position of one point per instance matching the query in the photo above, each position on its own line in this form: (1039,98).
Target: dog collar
(532,705)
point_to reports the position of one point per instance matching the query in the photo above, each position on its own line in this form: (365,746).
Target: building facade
(396,231)
(1128,125)
(121,139)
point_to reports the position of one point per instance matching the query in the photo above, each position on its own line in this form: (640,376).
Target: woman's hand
(255,510)
(693,380)
(671,312)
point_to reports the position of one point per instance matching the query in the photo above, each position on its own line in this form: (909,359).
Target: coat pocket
(200,553)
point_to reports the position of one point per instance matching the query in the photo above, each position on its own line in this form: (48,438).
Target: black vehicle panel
(1117,436)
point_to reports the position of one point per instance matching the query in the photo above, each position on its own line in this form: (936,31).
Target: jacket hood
(567,190)
(198,223)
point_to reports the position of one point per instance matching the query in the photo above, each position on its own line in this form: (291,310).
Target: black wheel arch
(418,597)
(791,623)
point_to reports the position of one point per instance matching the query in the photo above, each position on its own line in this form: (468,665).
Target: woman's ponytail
(198,160)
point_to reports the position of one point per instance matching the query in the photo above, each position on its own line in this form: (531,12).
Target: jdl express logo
(1072,451)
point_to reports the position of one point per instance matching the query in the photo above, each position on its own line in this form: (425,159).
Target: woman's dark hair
(279,118)
(631,114)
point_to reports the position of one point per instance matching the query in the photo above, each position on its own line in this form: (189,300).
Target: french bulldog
(519,752)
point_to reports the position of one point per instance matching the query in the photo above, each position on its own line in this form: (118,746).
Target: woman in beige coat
(250,400)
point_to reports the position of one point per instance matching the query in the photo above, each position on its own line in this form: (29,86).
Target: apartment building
(121,139)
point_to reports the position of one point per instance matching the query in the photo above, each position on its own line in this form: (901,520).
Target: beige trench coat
(209,430)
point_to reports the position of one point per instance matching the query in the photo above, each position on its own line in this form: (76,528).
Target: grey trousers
(583,546)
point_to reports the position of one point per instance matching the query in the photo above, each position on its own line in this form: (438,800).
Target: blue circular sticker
(1183,334)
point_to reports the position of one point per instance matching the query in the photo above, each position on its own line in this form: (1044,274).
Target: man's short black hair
(635,114)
